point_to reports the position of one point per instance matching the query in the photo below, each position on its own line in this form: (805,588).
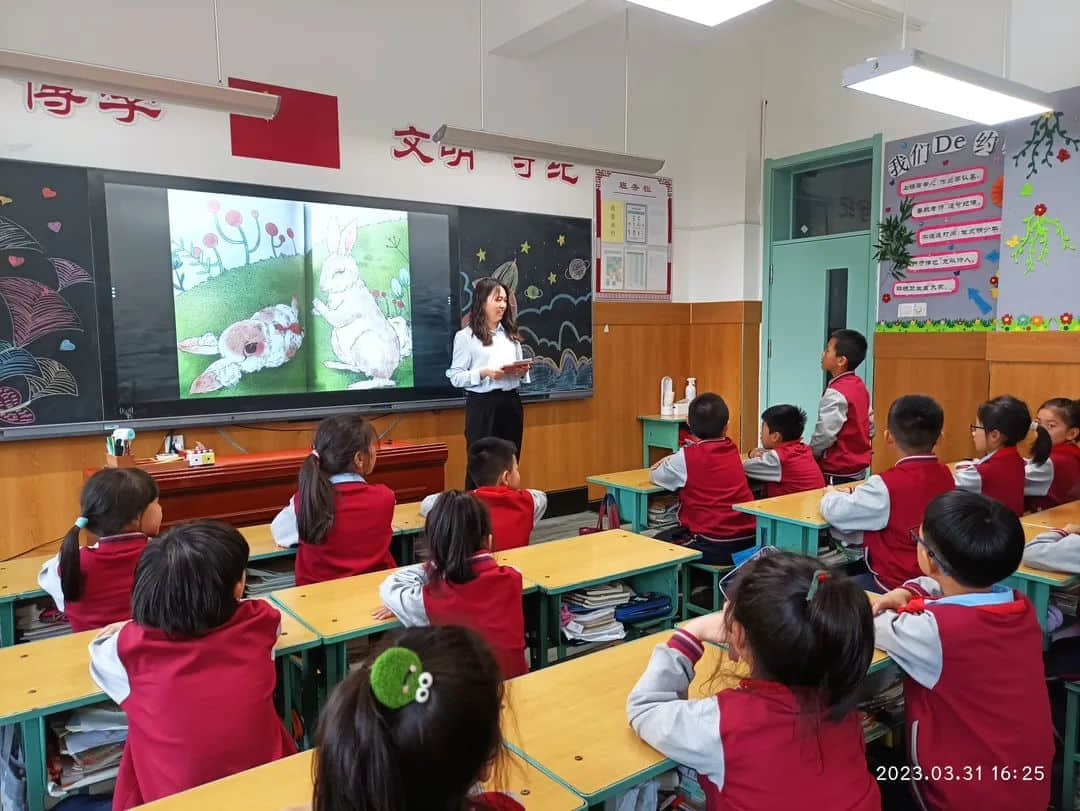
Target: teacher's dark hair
(478,322)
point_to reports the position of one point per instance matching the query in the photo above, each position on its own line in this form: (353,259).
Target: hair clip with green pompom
(398,678)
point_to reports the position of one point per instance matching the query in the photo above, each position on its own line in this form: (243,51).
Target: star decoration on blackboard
(525,246)
(481,255)
(552,278)
(561,240)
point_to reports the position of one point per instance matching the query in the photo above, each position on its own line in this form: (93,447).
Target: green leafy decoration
(1044,130)
(895,239)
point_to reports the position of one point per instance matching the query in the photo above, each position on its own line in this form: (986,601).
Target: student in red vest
(493,465)
(790,732)
(709,476)
(1057,481)
(978,718)
(415,727)
(340,523)
(1001,425)
(882,513)
(195,670)
(461,584)
(92,584)
(845,420)
(784,462)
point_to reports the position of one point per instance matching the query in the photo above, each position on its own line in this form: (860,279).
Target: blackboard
(544,260)
(50,367)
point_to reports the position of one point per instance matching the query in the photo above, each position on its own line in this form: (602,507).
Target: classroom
(492,404)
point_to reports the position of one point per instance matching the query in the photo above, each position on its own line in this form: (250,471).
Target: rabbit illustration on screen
(270,338)
(364,340)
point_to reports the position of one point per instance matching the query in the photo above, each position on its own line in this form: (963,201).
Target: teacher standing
(488,363)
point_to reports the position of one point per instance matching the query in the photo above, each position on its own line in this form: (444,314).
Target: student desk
(659,432)
(792,522)
(1056,517)
(1037,584)
(53,675)
(286,783)
(587,744)
(558,567)
(341,610)
(631,489)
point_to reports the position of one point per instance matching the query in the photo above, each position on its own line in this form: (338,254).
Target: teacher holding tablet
(488,363)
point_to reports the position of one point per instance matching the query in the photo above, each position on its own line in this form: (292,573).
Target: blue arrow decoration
(978,300)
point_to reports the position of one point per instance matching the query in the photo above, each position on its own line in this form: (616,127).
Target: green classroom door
(816,286)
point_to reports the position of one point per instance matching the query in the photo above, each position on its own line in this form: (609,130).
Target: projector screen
(227,298)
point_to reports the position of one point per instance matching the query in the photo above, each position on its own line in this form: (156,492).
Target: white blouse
(470,356)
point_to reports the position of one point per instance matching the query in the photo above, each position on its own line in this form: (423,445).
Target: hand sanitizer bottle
(691,388)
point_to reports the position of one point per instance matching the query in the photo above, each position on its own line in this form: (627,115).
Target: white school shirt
(470,356)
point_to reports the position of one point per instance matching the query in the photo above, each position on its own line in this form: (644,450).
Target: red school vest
(912,484)
(1066,484)
(799,470)
(851,451)
(1003,478)
(199,709)
(766,735)
(489,604)
(989,708)
(359,539)
(715,480)
(512,514)
(108,575)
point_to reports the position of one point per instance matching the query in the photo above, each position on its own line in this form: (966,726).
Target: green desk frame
(633,502)
(659,432)
(784,533)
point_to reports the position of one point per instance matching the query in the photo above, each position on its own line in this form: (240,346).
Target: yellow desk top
(337,608)
(1057,517)
(628,479)
(661,418)
(570,719)
(798,508)
(18,577)
(407,518)
(57,671)
(286,784)
(572,563)
(261,542)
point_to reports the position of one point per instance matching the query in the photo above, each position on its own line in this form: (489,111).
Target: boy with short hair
(978,718)
(886,509)
(514,512)
(784,462)
(710,475)
(845,422)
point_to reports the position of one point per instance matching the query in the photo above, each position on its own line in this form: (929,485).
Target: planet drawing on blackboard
(577,269)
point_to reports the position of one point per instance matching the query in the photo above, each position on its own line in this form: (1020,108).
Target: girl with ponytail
(92,584)
(806,637)
(340,523)
(1001,473)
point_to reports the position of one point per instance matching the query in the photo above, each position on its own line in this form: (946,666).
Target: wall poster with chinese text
(943,211)
(633,230)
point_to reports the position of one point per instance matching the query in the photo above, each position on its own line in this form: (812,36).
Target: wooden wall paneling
(951,368)
(564,440)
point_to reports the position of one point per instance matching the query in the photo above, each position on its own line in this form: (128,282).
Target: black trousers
(496,413)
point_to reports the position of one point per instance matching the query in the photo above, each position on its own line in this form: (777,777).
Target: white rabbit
(363,338)
(270,338)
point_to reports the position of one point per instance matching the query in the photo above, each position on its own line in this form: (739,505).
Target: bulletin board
(633,233)
(1040,273)
(943,201)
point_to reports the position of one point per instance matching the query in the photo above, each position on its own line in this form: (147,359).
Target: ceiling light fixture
(706,12)
(26,66)
(526,147)
(924,80)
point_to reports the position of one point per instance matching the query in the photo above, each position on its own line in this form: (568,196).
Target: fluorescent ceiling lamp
(924,80)
(706,12)
(494,142)
(25,66)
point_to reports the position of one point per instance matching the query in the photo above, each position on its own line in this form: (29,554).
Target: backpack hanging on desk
(608,510)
